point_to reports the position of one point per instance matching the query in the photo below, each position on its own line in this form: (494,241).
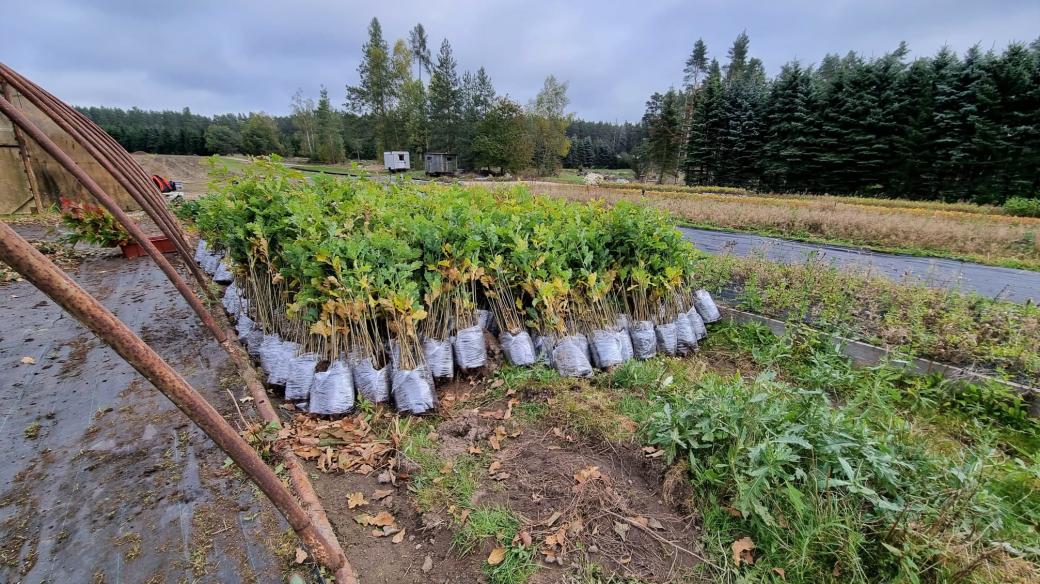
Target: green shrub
(1022,207)
(849,492)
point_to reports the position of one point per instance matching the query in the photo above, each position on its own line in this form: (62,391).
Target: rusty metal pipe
(131,171)
(155,209)
(19,119)
(62,112)
(54,109)
(38,269)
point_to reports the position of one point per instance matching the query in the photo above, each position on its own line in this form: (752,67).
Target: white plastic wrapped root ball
(706,306)
(232,299)
(371,383)
(253,340)
(244,326)
(543,346)
(518,348)
(211,262)
(686,339)
(300,377)
(699,330)
(332,392)
(275,355)
(413,393)
(201,250)
(623,323)
(607,348)
(470,348)
(486,321)
(644,339)
(223,275)
(570,357)
(439,358)
(667,340)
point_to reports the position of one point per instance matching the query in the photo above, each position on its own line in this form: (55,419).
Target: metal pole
(81,132)
(35,267)
(19,119)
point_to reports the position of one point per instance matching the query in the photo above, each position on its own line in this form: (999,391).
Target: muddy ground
(103,479)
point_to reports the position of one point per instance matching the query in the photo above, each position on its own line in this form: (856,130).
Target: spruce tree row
(945,127)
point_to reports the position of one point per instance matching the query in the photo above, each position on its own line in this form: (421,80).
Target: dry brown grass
(932,228)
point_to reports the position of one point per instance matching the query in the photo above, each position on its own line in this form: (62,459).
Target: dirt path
(104,480)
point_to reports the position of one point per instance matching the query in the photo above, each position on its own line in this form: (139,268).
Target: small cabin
(397,161)
(441,163)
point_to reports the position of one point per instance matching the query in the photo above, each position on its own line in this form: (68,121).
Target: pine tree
(702,154)
(663,121)
(329,146)
(374,95)
(738,58)
(445,102)
(419,47)
(477,97)
(788,153)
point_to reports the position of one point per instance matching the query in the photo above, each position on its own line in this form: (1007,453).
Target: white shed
(397,161)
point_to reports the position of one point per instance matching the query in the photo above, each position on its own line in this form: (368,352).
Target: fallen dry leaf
(28,360)
(383,518)
(301,556)
(356,500)
(399,537)
(382,494)
(474,449)
(742,551)
(622,529)
(654,523)
(780,572)
(525,538)
(639,520)
(427,564)
(494,441)
(496,556)
(586,474)
(494,466)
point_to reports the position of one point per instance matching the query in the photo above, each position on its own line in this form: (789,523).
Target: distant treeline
(941,128)
(946,127)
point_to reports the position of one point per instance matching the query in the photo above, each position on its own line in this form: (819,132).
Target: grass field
(969,232)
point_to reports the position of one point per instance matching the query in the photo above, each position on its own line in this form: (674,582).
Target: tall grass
(972,232)
(944,325)
(835,478)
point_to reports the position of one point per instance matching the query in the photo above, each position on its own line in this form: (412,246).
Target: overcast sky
(219,56)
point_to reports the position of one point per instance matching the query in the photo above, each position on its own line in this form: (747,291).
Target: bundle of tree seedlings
(384,289)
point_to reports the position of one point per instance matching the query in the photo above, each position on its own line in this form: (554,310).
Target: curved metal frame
(306,516)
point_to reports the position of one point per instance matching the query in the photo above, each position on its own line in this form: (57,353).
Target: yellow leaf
(356,500)
(497,555)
